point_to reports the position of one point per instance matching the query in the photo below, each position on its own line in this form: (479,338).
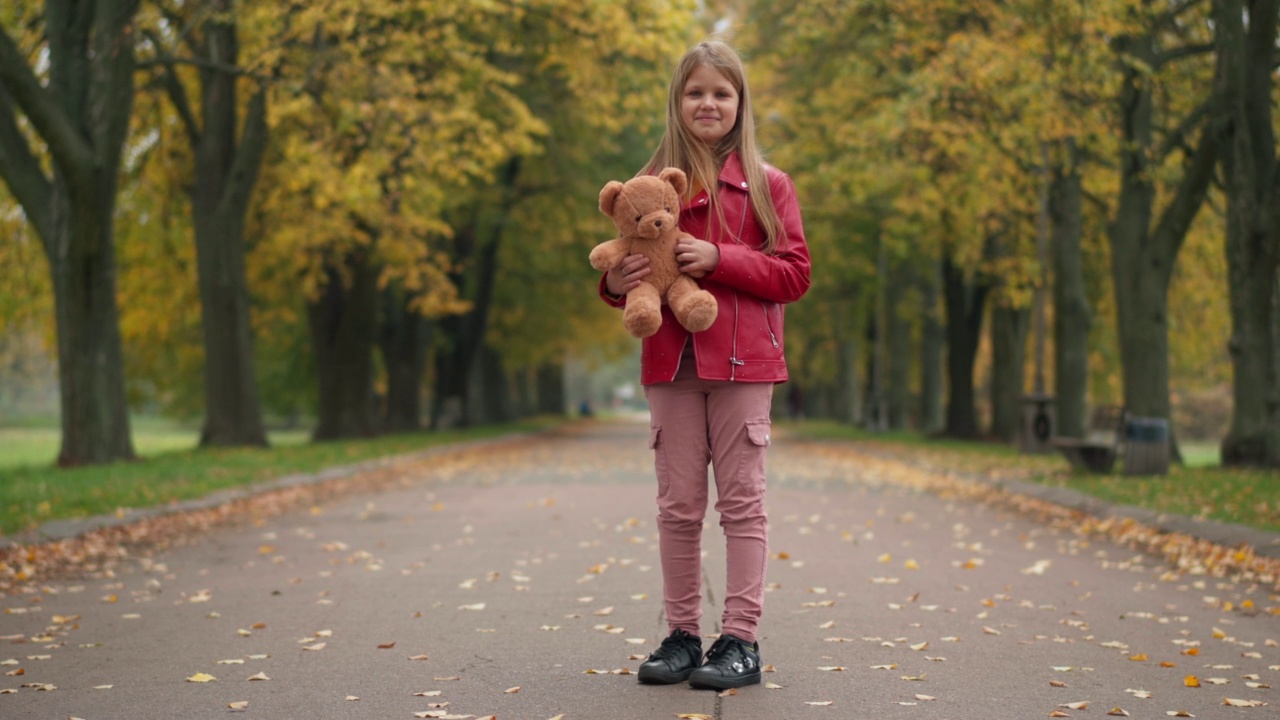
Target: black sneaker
(679,655)
(731,663)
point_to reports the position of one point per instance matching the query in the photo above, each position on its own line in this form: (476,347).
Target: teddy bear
(645,210)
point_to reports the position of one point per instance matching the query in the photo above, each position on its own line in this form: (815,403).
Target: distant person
(584,408)
(709,393)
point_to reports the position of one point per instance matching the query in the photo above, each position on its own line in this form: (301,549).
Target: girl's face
(709,106)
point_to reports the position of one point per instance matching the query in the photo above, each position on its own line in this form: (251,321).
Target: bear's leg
(643,315)
(694,307)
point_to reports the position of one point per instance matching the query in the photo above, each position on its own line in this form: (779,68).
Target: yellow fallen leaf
(1219,634)
(419,657)
(428,693)
(317,646)
(512,690)
(238,705)
(352,698)
(473,606)
(911,565)
(885,558)
(693,716)
(259,676)
(1118,712)
(202,677)
(819,702)
(920,646)
(1191,681)
(1140,657)
(1081,705)
(1058,713)
(728,693)
(925,698)
(602,612)
(1167,664)
(1178,713)
(772,686)
(558,717)
(831,668)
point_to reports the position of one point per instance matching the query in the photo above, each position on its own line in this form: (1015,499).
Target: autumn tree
(1246,62)
(66,94)
(202,37)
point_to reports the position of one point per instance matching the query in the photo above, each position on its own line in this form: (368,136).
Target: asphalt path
(520,579)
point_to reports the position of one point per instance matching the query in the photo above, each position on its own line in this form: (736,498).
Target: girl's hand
(697,258)
(627,274)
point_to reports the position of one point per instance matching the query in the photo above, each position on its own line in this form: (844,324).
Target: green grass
(1201,487)
(36,441)
(33,494)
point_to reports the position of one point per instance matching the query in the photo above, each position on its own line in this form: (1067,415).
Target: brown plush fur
(645,210)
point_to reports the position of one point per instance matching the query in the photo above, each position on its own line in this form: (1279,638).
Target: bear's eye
(638,218)
(668,209)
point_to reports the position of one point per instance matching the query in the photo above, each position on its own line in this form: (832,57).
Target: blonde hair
(680,148)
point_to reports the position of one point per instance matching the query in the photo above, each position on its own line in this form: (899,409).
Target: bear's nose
(657,223)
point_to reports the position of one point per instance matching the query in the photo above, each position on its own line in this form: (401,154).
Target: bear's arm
(607,254)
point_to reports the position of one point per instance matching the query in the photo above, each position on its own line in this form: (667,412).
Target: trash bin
(1039,424)
(1146,446)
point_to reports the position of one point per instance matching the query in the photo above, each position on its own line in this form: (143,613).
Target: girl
(710,393)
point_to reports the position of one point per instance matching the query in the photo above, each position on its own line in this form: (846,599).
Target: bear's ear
(609,195)
(676,177)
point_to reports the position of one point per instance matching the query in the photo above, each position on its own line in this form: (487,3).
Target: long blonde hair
(680,148)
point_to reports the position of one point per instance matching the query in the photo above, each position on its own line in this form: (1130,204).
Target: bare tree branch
(1182,51)
(69,149)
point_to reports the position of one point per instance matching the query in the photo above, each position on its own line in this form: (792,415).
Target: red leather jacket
(745,342)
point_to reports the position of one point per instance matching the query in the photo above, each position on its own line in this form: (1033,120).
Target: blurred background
(278,222)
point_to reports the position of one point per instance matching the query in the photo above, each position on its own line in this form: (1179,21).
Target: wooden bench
(1098,449)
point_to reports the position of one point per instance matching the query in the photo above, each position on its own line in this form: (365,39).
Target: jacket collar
(731,174)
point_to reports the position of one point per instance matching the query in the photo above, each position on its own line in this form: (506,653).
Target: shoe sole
(657,677)
(720,683)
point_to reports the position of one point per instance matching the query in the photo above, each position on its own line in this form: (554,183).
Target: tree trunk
(403,340)
(1009,357)
(1253,259)
(932,341)
(1142,256)
(845,404)
(82,114)
(475,247)
(964,301)
(342,321)
(225,173)
(898,340)
(550,390)
(492,389)
(1072,314)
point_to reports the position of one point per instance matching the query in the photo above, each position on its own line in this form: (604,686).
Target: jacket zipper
(768,325)
(734,362)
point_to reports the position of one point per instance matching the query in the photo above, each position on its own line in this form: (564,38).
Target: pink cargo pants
(694,423)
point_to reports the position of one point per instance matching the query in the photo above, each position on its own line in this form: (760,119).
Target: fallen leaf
(1142,694)
(693,716)
(831,668)
(386,646)
(420,657)
(512,690)
(1118,712)
(919,646)
(1217,681)
(772,686)
(352,698)
(1140,657)
(473,606)
(1081,705)
(259,676)
(103,687)
(1233,702)
(728,693)
(1178,713)
(819,702)
(1167,664)
(238,705)
(890,666)
(1057,683)
(317,646)
(1058,713)
(990,630)
(602,612)
(925,698)
(1191,681)
(430,714)
(202,677)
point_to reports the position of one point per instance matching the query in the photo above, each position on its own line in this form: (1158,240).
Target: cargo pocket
(758,433)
